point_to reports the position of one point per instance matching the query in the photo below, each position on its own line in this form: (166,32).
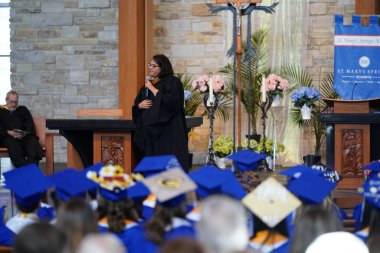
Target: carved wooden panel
(352,151)
(113,148)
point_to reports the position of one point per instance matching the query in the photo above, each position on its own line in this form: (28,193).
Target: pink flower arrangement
(275,84)
(202,83)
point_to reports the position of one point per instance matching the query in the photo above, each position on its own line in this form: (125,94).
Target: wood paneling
(134,45)
(370,7)
(352,151)
(113,148)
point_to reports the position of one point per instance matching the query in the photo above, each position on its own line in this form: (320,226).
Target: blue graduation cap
(371,190)
(71,183)
(298,170)
(112,181)
(151,165)
(138,191)
(211,179)
(311,189)
(246,160)
(373,166)
(28,183)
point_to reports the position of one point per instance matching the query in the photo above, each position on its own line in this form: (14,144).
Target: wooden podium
(350,130)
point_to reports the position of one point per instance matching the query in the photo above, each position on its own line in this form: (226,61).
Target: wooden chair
(73,158)
(46,139)
(100,112)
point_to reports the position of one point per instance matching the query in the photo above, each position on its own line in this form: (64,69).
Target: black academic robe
(161,129)
(24,151)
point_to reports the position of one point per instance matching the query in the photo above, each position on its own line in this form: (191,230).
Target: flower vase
(276,100)
(221,162)
(306,112)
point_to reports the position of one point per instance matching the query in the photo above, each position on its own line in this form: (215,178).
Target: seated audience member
(223,225)
(182,245)
(6,235)
(115,209)
(17,132)
(312,188)
(70,183)
(311,222)
(212,180)
(41,238)
(76,219)
(149,166)
(168,221)
(270,202)
(28,184)
(101,243)
(337,242)
(245,164)
(370,225)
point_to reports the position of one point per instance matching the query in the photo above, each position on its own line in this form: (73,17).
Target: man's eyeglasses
(12,101)
(152,65)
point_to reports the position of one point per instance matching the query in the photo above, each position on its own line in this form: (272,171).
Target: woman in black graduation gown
(159,113)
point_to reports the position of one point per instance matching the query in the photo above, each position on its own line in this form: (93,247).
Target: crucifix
(240,8)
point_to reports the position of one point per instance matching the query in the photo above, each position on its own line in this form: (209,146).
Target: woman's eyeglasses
(152,65)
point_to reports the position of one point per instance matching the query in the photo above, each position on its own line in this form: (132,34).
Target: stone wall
(64,52)
(64,56)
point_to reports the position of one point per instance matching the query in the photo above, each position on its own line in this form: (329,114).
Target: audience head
(311,222)
(223,225)
(337,242)
(77,219)
(41,238)
(101,243)
(181,245)
(11,100)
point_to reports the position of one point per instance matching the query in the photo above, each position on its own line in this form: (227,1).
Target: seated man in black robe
(17,132)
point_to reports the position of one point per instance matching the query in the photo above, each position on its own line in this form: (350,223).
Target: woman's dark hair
(312,221)
(165,65)
(374,231)
(116,213)
(182,245)
(28,209)
(155,227)
(41,238)
(77,219)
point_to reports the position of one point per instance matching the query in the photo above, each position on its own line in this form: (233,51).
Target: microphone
(352,92)
(147,78)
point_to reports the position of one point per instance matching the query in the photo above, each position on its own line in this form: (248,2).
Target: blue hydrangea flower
(305,95)
(187,95)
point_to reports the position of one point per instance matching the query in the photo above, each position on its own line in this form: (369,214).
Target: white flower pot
(306,112)
(220,162)
(276,100)
(270,162)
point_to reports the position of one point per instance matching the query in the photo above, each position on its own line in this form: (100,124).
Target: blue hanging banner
(357,59)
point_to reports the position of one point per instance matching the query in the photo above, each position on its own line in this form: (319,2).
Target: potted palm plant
(300,77)
(252,71)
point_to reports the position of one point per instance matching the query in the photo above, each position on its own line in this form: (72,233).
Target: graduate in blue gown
(28,184)
(116,212)
(370,224)
(6,235)
(271,203)
(168,221)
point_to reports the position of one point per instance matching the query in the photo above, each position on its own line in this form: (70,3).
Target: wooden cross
(238,4)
